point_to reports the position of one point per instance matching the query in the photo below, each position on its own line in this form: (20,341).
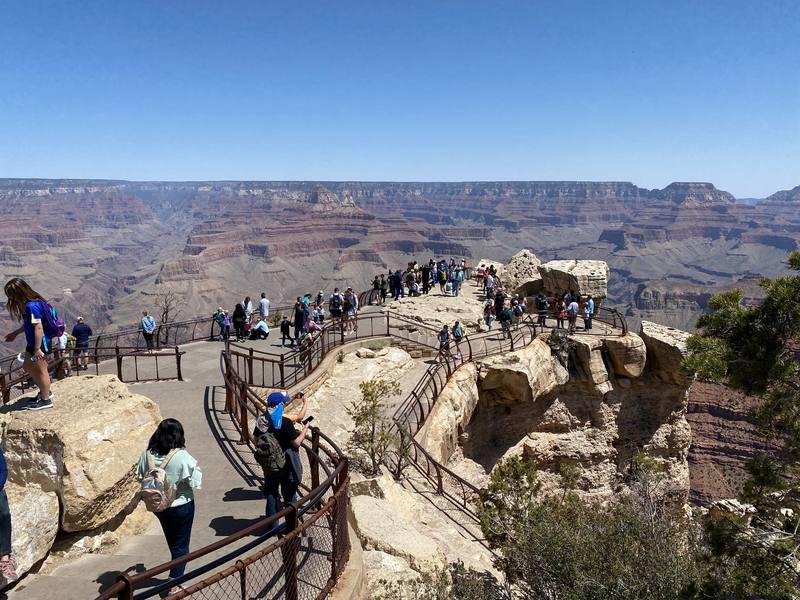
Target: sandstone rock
(84,449)
(628,354)
(434,310)
(521,275)
(732,508)
(365,353)
(666,348)
(455,405)
(34,523)
(583,276)
(589,364)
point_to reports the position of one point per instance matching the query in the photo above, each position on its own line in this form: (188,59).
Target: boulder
(435,310)
(589,365)
(583,276)
(84,449)
(628,354)
(34,523)
(521,275)
(666,348)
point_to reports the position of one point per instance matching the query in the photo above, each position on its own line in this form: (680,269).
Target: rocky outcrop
(434,311)
(521,275)
(583,276)
(79,455)
(666,349)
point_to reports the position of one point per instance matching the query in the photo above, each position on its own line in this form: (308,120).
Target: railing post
(242,578)
(119,362)
(158,336)
(243,415)
(5,388)
(250,367)
(439,484)
(314,458)
(289,551)
(282,370)
(125,593)
(178,363)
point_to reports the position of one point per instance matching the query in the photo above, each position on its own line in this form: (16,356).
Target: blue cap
(276,398)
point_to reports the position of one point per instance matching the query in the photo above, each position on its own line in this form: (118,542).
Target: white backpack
(158,493)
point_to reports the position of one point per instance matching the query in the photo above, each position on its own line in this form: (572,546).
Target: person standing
(588,312)
(219,319)
(335,303)
(226,326)
(27,305)
(286,332)
(167,450)
(81,332)
(444,343)
(280,487)
(247,304)
(488,314)
(263,306)
(239,319)
(384,287)
(572,315)
(8,564)
(458,335)
(299,319)
(148,326)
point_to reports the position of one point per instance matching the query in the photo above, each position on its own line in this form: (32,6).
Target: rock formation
(620,394)
(71,468)
(434,311)
(583,276)
(521,274)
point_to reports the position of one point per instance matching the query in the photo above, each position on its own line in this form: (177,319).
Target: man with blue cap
(281,487)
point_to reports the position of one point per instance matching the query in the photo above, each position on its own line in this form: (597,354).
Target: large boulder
(84,449)
(666,349)
(628,354)
(521,275)
(583,276)
(435,310)
(34,523)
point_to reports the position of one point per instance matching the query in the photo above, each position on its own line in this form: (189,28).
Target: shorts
(336,312)
(351,312)
(81,349)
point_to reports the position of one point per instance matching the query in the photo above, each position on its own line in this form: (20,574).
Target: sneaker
(8,568)
(41,404)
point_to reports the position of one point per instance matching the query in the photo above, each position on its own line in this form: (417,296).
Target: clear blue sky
(638,90)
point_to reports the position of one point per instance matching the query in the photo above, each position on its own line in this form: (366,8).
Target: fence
(304,563)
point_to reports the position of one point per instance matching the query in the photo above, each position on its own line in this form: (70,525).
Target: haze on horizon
(449,91)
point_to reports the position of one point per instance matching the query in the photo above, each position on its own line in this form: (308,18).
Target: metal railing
(297,553)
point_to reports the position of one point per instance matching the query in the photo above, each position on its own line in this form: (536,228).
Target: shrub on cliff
(562,548)
(372,435)
(755,349)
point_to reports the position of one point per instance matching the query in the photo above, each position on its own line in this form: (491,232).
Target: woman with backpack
(239,319)
(169,476)
(277,450)
(37,316)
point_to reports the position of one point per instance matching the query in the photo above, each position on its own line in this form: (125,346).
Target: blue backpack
(52,324)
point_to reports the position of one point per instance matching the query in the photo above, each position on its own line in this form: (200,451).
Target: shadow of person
(240,494)
(228,525)
(18,405)
(109,578)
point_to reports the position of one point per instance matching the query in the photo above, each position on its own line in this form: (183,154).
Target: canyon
(106,249)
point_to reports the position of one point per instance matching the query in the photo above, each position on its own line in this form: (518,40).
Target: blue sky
(636,90)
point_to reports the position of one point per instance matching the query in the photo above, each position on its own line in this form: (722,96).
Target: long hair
(167,436)
(19,293)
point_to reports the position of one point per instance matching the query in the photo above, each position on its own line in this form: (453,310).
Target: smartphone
(308,420)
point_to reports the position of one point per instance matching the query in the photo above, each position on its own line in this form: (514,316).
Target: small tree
(168,306)
(275,319)
(372,434)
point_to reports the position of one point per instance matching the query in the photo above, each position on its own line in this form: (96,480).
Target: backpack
(52,324)
(269,454)
(336,302)
(158,493)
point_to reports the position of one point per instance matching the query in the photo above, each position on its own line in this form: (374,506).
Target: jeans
(5,525)
(176,522)
(279,490)
(148,339)
(287,336)
(587,322)
(226,331)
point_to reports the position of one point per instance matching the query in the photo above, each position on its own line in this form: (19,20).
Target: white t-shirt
(263,306)
(62,341)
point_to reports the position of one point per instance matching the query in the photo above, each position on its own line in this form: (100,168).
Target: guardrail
(305,562)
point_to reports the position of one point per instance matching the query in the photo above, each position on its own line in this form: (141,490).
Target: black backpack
(335,302)
(269,454)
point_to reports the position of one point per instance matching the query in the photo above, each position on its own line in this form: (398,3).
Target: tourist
(286,332)
(517,310)
(488,314)
(318,315)
(443,281)
(167,450)
(239,319)
(505,317)
(299,318)
(542,306)
(488,285)
(335,303)
(8,564)
(444,343)
(457,279)
(561,313)
(384,287)
(219,318)
(319,301)
(226,326)
(28,306)
(350,308)
(480,274)
(81,332)
(263,306)
(281,487)
(147,325)
(248,308)
(458,335)
(259,331)
(588,312)
(426,278)
(397,282)
(572,315)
